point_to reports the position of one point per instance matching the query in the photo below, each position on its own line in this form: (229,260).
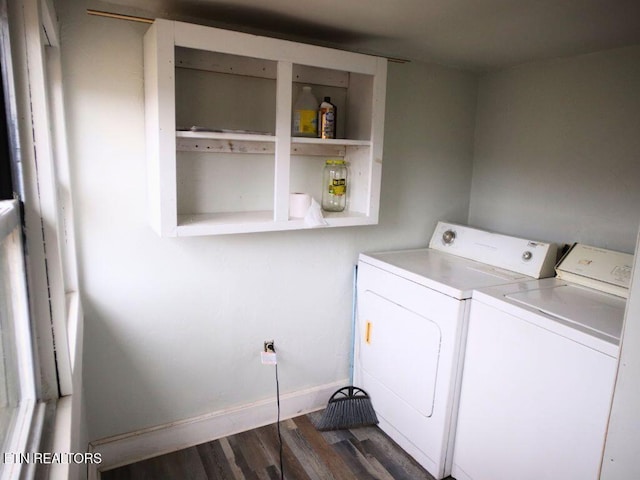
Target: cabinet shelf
(227,222)
(329,141)
(223,142)
(256,221)
(247,137)
(229,177)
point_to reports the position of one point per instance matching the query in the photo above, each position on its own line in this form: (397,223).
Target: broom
(350,406)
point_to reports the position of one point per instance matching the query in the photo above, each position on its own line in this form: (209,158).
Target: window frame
(34,107)
(27,416)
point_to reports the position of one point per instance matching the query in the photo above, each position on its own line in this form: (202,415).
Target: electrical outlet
(268,355)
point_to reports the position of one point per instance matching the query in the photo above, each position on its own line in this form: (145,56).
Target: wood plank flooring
(361,453)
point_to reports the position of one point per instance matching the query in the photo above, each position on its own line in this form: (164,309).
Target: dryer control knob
(527,255)
(448,237)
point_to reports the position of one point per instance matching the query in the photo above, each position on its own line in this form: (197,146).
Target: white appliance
(412,310)
(539,370)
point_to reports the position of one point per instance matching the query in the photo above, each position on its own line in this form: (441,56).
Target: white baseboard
(150,442)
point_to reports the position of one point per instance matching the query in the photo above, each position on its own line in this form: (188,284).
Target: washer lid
(591,309)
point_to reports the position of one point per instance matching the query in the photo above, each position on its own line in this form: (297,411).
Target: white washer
(539,370)
(412,310)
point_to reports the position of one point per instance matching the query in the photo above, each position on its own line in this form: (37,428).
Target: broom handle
(352,353)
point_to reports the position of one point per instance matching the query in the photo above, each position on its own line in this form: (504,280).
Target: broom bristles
(348,412)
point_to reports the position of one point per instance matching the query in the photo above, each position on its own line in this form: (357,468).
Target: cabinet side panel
(377,135)
(359,181)
(160,126)
(366,102)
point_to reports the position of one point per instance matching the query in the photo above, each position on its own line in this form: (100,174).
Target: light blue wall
(557,150)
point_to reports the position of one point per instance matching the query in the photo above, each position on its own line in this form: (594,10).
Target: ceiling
(478,35)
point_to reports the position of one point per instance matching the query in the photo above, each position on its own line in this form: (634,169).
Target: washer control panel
(448,237)
(605,270)
(528,257)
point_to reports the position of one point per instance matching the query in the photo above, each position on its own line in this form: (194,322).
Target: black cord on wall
(278,424)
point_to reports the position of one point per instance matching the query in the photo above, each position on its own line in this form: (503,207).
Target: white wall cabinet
(221,157)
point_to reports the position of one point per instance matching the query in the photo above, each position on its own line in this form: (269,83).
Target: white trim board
(150,442)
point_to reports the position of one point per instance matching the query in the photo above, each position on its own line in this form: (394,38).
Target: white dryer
(539,371)
(412,311)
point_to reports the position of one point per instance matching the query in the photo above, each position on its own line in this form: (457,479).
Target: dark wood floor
(360,453)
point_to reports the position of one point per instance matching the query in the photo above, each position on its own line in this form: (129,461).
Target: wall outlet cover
(268,358)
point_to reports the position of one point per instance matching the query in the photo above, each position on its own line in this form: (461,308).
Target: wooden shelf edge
(247,137)
(210,224)
(331,141)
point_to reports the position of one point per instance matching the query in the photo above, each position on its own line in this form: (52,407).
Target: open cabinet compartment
(221,157)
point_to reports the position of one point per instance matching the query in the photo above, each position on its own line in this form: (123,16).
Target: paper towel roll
(299,203)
